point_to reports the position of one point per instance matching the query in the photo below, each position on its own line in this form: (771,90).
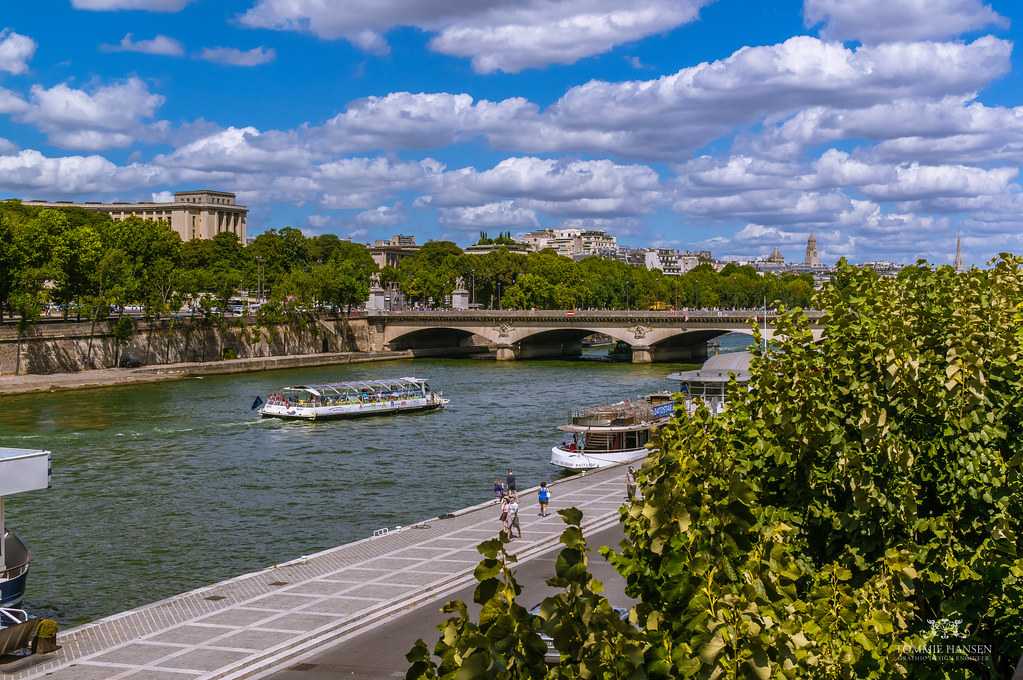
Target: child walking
(544,497)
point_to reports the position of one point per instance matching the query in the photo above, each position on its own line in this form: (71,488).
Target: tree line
(502,279)
(89,266)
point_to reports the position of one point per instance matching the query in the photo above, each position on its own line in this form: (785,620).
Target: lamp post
(259,276)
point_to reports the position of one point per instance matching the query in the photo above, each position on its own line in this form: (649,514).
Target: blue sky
(883,126)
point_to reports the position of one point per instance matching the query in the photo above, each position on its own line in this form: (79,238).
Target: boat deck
(260,621)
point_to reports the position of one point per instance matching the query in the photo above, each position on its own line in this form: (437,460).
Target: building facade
(200,214)
(390,252)
(573,243)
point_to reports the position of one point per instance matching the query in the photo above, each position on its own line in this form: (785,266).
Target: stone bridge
(653,336)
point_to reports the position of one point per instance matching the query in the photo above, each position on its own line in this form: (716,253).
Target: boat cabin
(624,426)
(355,392)
(709,384)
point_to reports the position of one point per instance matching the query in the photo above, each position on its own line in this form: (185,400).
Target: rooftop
(718,368)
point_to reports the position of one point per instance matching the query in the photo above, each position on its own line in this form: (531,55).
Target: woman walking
(513,518)
(544,497)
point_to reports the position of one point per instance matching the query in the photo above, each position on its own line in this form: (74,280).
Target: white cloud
(242,150)
(875,21)
(382,216)
(11,102)
(364,182)
(498,35)
(504,214)
(109,116)
(7,147)
(163,197)
(160,44)
(409,120)
(667,117)
(16,50)
(911,181)
(30,171)
(145,5)
(671,115)
(946,129)
(231,56)
(578,188)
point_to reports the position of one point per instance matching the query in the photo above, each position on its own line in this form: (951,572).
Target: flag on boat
(256,404)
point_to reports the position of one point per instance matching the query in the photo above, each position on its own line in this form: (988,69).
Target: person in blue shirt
(544,497)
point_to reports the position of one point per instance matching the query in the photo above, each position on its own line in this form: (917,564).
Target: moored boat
(611,434)
(20,470)
(352,399)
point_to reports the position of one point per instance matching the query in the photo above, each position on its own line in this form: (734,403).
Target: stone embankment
(11,385)
(56,347)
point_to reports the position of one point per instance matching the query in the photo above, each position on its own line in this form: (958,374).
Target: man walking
(544,497)
(510,481)
(630,485)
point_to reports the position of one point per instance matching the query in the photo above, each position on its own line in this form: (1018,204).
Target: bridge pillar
(506,353)
(642,355)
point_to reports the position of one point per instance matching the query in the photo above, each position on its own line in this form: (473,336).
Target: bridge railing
(696,315)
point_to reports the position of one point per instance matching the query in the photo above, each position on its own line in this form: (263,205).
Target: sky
(885,127)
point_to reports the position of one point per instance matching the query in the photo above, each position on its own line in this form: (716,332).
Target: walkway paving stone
(221,630)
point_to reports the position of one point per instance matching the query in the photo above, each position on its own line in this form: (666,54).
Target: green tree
(861,490)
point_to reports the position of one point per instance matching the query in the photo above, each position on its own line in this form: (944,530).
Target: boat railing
(10,617)
(14,572)
(610,415)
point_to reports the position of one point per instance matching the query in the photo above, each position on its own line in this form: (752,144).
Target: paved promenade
(258,622)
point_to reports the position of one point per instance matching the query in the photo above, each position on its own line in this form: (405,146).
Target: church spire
(958,262)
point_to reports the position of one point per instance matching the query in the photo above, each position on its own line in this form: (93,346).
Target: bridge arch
(689,345)
(553,342)
(435,340)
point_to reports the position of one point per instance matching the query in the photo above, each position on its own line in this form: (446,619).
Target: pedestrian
(513,517)
(544,497)
(503,517)
(498,490)
(510,481)
(630,484)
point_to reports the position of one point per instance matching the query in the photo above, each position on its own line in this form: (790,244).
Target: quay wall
(49,348)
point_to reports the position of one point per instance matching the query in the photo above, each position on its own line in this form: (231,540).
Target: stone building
(390,252)
(812,257)
(200,214)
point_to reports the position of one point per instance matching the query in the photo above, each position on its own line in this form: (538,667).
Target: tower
(958,262)
(813,258)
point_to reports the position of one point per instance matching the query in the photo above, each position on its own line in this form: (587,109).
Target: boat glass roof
(362,386)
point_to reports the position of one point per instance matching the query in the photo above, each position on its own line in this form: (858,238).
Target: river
(162,488)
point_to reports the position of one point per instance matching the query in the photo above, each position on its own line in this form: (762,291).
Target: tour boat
(352,399)
(20,470)
(613,433)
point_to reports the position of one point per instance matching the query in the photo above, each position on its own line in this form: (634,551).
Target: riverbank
(261,621)
(11,385)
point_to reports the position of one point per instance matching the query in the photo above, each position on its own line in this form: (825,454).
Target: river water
(158,489)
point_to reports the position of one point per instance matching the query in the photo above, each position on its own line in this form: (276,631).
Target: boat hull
(580,460)
(351,410)
(12,591)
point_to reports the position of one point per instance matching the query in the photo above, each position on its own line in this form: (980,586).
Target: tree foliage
(93,266)
(858,503)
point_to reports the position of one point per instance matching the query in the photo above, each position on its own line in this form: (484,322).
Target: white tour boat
(612,434)
(352,399)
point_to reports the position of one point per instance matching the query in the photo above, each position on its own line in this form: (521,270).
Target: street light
(259,277)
